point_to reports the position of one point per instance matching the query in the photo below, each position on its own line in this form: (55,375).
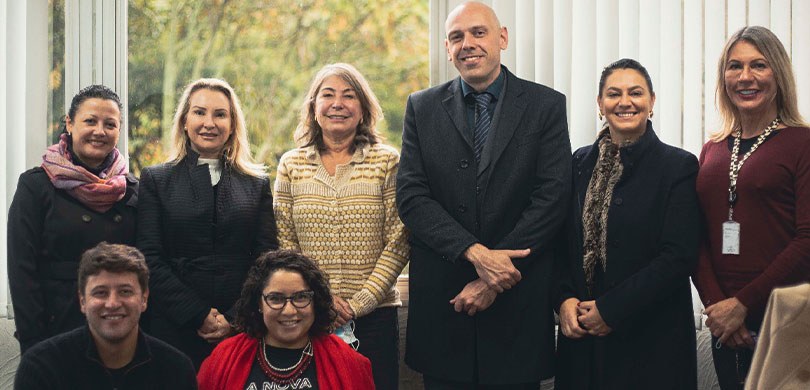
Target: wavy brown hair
(249,319)
(309,132)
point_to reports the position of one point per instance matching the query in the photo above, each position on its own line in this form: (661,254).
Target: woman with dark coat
(204,218)
(624,301)
(79,196)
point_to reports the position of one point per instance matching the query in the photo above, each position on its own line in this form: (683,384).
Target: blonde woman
(754,189)
(204,217)
(335,203)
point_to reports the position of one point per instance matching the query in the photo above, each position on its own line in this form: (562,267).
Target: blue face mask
(346,333)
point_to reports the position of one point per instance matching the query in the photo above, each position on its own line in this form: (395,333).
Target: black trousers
(378,333)
(731,365)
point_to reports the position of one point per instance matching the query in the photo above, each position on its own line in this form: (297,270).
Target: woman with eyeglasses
(284,313)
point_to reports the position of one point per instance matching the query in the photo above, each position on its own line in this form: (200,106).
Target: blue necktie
(482,122)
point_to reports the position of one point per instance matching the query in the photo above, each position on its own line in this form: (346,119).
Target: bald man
(483,186)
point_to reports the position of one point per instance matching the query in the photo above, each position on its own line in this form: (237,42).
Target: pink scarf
(100,192)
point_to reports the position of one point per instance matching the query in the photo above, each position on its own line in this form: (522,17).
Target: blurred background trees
(269,51)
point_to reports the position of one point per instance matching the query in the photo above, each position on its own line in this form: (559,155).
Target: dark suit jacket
(515,198)
(644,294)
(199,250)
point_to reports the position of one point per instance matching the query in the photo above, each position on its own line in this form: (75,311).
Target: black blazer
(644,295)
(48,230)
(515,198)
(198,248)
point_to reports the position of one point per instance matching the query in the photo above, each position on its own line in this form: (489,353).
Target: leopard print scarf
(606,174)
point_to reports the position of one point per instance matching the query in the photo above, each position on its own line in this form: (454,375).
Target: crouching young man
(110,352)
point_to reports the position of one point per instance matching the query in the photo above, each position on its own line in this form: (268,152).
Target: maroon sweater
(773,209)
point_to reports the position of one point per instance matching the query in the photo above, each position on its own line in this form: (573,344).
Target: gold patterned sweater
(348,223)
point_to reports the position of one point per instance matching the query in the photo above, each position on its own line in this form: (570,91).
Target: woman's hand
(215,328)
(343,310)
(591,320)
(568,319)
(725,318)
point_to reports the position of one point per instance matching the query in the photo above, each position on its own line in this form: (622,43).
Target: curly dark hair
(249,319)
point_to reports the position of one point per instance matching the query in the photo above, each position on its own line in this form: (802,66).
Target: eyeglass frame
(307,293)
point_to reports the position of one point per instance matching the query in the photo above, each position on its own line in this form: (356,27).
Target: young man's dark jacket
(71,361)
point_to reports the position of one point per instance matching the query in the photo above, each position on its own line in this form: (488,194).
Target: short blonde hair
(237,148)
(309,132)
(774,52)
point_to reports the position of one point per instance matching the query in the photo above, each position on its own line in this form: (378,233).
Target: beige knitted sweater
(348,223)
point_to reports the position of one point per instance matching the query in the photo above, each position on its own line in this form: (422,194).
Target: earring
(599,115)
(651,113)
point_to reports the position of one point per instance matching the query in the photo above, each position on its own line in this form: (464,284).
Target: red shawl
(337,365)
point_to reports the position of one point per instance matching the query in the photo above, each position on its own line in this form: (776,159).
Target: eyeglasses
(299,300)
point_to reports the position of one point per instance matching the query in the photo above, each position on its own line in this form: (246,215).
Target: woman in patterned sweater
(334,201)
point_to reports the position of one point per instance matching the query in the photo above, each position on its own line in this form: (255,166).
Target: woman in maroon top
(754,189)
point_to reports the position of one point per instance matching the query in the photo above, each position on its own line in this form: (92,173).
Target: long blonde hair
(309,132)
(237,148)
(774,52)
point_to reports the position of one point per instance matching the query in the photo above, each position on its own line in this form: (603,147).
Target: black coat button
(477,190)
(86,218)
(118,218)
(618,201)
(462,208)
(464,164)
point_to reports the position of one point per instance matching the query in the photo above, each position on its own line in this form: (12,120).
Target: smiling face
(287,327)
(337,108)
(94,130)
(113,303)
(474,43)
(626,102)
(749,81)
(208,122)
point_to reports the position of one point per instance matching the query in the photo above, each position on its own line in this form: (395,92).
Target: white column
(693,75)
(800,53)
(736,17)
(26,97)
(651,46)
(669,79)
(563,20)
(96,50)
(522,37)
(582,98)
(544,39)
(714,39)
(759,13)
(781,21)
(628,28)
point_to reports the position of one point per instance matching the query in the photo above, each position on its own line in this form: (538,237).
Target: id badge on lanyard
(731,237)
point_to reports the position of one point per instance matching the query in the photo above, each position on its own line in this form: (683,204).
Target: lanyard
(735,166)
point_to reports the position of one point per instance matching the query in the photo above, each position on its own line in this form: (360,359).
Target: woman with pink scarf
(81,195)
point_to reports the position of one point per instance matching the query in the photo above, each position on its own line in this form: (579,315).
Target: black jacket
(644,294)
(198,248)
(48,230)
(70,361)
(514,198)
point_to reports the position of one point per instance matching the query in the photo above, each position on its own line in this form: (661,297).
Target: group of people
(295,287)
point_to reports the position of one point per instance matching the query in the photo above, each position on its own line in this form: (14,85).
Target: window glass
(56,75)
(268,51)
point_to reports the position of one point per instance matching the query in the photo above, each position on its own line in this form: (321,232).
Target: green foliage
(269,51)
